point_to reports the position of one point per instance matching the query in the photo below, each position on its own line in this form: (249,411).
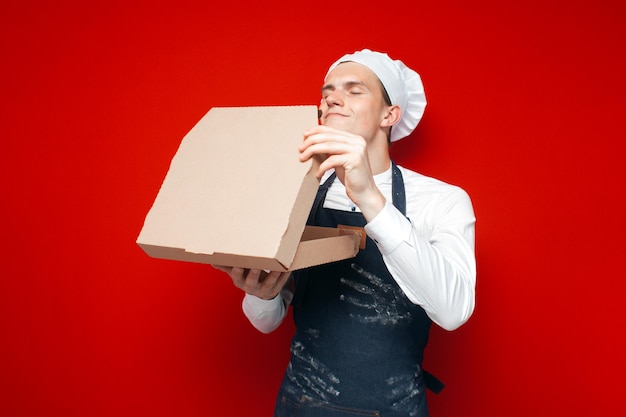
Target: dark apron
(359,341)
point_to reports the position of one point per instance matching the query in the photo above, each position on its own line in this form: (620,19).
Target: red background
(525,111)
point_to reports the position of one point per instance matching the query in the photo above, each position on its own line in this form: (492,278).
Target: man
(362,324)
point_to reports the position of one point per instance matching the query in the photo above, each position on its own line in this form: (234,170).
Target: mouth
(334,115)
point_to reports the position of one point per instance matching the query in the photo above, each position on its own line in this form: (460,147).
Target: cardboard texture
(236,194)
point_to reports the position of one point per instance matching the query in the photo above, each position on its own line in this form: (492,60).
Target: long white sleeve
(266,315)
(431,256)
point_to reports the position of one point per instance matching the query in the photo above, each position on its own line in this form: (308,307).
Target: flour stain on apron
(405,387)
(383,307)
(316,376)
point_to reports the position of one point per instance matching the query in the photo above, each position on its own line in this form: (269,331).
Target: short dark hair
(385,95)
(387,102)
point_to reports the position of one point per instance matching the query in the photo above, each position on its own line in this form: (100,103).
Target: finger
(324,150)
(339,162)
(252,282)
(239,277)
(340,141)
(328,139)
(222,268)
(274,279)
(273,284)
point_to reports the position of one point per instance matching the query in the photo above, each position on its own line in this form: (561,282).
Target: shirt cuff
(261,305)
(389,228)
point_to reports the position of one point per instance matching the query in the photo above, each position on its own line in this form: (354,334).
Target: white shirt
(430,254)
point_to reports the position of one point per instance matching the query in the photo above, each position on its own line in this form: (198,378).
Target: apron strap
(397,189)
(433,383)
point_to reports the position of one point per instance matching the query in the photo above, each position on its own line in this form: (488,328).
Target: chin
(336,123)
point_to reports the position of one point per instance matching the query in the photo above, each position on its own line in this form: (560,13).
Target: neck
(378,155)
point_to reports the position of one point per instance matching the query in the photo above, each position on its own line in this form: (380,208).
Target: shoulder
(431,201)
(416,181)
(433,198)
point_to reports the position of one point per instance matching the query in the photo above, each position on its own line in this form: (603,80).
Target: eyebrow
(346,85)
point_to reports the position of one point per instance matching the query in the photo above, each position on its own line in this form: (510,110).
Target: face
(352,100)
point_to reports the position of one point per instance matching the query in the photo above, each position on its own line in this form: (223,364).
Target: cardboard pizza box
(236,194)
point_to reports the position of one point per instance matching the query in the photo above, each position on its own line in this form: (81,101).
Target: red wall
(526,110)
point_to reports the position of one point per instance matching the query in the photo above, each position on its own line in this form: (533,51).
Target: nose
(332,99)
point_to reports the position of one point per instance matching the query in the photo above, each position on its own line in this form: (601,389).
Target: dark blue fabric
(359,341)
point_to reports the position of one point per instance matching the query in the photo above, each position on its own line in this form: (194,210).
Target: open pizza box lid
(236,194)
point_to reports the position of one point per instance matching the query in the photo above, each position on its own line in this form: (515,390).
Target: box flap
(236,186)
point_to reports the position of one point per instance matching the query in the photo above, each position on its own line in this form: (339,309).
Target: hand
(255,281)
(347,154)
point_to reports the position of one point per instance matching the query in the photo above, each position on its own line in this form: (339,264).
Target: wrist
(372,204)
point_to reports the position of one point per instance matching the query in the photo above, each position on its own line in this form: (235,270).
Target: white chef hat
(403,85)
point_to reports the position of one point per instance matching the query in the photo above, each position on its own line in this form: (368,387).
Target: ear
(391,116)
